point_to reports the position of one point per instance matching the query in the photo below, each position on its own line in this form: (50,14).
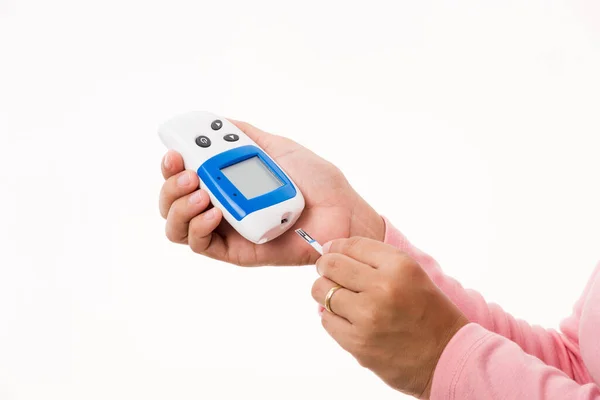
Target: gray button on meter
(231,137)
(216,124)
(203,141)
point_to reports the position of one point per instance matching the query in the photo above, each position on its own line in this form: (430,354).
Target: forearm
(479,364)
(553,348)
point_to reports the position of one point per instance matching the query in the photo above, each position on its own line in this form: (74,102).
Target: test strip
(315,245)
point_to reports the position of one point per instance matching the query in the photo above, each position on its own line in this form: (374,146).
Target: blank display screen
(252,177)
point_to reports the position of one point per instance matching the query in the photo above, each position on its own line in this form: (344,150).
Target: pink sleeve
(560,350)
(479,364)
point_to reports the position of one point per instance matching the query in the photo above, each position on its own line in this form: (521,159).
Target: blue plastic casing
(226,192)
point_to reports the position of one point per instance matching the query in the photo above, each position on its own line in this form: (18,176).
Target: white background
(472,125)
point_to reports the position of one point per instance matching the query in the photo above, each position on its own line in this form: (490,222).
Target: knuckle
(392,289)
(165,187)
(176,209)
(406,269)
(196,246)
(329,263)
(353,243)
(174,215)
(164,203)
(325,322)
(369,315)
(405,272)
(389,292)
(404,260)
(364,361)
(412,267)
(195,228)
(316,289)
(169,233)
(398,258)
(162,209)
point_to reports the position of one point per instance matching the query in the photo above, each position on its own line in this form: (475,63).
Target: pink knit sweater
(499,357)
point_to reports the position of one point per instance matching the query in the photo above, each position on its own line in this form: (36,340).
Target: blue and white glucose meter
(256,197)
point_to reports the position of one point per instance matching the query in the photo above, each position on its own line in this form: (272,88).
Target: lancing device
(255,195)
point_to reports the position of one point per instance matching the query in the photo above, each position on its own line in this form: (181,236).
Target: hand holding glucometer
(254,194)
(249,174)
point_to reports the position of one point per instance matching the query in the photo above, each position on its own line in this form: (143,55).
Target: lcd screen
(252,177)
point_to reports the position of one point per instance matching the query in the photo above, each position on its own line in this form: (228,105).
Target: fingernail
(184,179)
(210,214)
(318,272)
(196,197)
(326,247)
(167,161)
(321,310)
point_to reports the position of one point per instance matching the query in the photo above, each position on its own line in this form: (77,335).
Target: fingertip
(173,161)
(197,198)
(210,214)
(214,214)
(204,192)
(238,123)
(172,164)
(341,245)
(167,161)
(250,130)
(184,179)
(241,125)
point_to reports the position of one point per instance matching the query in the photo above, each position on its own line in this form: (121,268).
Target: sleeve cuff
(454,358)
(393,236)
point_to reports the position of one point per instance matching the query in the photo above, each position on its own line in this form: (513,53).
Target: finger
(345,271)
(338,328)
(182,212)
(176,187)
(367,251)
(251,131)
(201,236)
(172,163)
(343,301)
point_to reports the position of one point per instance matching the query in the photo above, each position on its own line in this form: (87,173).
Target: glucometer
(256,196)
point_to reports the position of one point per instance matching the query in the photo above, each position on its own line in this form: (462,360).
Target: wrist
(366,222)
(460,323)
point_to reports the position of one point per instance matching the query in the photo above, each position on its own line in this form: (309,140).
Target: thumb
(257,135)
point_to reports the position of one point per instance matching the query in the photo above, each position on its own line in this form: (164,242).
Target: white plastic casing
(180,133)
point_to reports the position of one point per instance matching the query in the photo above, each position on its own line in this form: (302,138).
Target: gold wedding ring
(329,296)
